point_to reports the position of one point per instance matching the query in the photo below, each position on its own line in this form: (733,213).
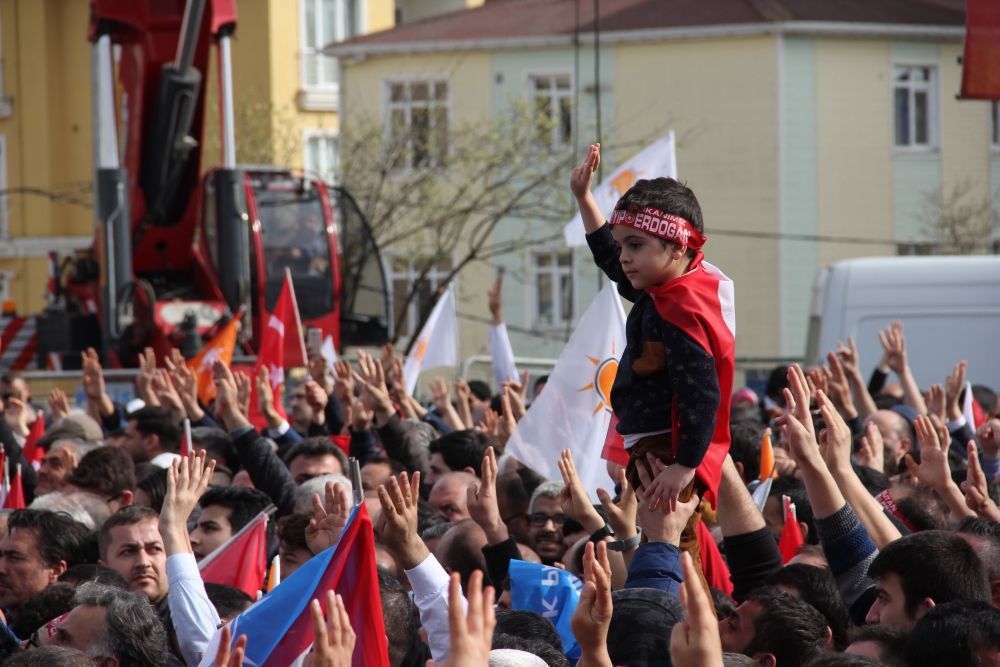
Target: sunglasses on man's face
(539,519)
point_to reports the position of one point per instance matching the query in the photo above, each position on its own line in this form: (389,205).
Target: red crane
(177,252)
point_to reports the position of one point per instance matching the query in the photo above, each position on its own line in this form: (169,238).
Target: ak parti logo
(604,378)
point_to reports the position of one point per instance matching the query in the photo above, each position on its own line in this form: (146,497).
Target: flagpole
(359,494)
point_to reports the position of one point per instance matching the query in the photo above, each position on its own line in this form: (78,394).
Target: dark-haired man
(984,536)
(917,572)
(38,547)
(458,451)
(958,634)
(152,435)
(107,472)
(774,628)
(225,511)
(313,457)
(130,543)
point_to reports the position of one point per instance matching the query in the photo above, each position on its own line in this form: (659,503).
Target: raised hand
(317,398)
(796,423)
(659,524)
(187,480)
(441,393)
(592,616)
(167,394)
(621,515)
(573,497)
(374,392)
(695,641)
(894,345)
(265,399)
(462,395)
(397,523)
(490,425)
(92,379)
(226,398)
(977,497)
(518,394)
(243,392)
(582,177)
(222,656)
(839,388)
(319,370)
(835,440)
(471,636)
(333,641)
(58,403)
(481,498)
(144,380)
(343,386)
(361,416)
(936,402)
(989,438)
(872,452)
(953,389)
(186,383)
(848,356)
(933,470)
(329,520)
(494,299)
(506,422)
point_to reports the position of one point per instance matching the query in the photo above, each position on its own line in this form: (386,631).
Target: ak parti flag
(241,561)
(282,325)
(219,348)
(279,626)
(437,344)
(574,412)
(791,534)
(34,454)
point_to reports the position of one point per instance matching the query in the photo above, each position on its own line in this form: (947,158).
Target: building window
(321,154)
(323,23)
(553,288)
(915,106)
(408,276)
(995,125)
(553,97)
(417,114)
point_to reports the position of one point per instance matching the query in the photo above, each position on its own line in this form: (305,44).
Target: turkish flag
(33,454)
(221,347)
(283,331)
(791,534)
(14,496)
(701,303)
(241,561)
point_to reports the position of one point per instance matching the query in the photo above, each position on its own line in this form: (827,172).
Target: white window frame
(933,88)
(388,106)
(410,276)
(319,95)
(558,324)
(530,92)
(321,134)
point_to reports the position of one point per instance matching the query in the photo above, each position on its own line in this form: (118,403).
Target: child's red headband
(656,222)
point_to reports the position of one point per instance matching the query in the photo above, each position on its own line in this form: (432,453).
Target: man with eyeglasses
(545,523)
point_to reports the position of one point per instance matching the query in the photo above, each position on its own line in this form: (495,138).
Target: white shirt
(503,355)
(194,617)
(430,584)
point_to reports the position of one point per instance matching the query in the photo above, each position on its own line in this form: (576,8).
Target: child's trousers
(661,447)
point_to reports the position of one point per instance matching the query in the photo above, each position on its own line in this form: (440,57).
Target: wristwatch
(601,533)
(625,545)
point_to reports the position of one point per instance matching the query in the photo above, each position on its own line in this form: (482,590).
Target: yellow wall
(854,146)
(381,15)
(720,98)
(965,128)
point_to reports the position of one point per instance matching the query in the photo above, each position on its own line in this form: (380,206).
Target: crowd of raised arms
(890,557)
(893,488)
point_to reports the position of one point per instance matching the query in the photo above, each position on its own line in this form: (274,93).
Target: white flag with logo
(437,344)
(657,159)
(574,409)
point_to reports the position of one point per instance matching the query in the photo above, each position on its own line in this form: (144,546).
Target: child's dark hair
(669,196)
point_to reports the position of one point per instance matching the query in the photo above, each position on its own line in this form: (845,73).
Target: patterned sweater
(649,384)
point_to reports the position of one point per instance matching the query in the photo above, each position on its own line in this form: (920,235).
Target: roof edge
(795,28)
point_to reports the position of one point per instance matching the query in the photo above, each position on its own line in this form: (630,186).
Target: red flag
(283,328)
(614,444)
(712,563)
(15,494)
(241,561)
(791,535)
(701,303)
(342,441)
(981,57)
(33,454)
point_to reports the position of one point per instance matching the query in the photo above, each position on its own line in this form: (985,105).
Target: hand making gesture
(187,480)
(329,520)
(592,616)
(695,641)
(333,641)
(481,499)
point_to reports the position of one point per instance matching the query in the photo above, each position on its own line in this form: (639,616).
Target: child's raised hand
(583,176)
(668,484)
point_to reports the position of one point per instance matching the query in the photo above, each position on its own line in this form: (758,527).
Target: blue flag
(551,592)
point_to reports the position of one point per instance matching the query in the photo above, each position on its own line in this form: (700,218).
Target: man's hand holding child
(667,484)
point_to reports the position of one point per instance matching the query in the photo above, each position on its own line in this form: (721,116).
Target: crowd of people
(890,557)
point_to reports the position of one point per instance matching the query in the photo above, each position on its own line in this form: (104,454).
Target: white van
(949,306)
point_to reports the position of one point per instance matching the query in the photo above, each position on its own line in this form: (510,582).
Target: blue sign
(551,592)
